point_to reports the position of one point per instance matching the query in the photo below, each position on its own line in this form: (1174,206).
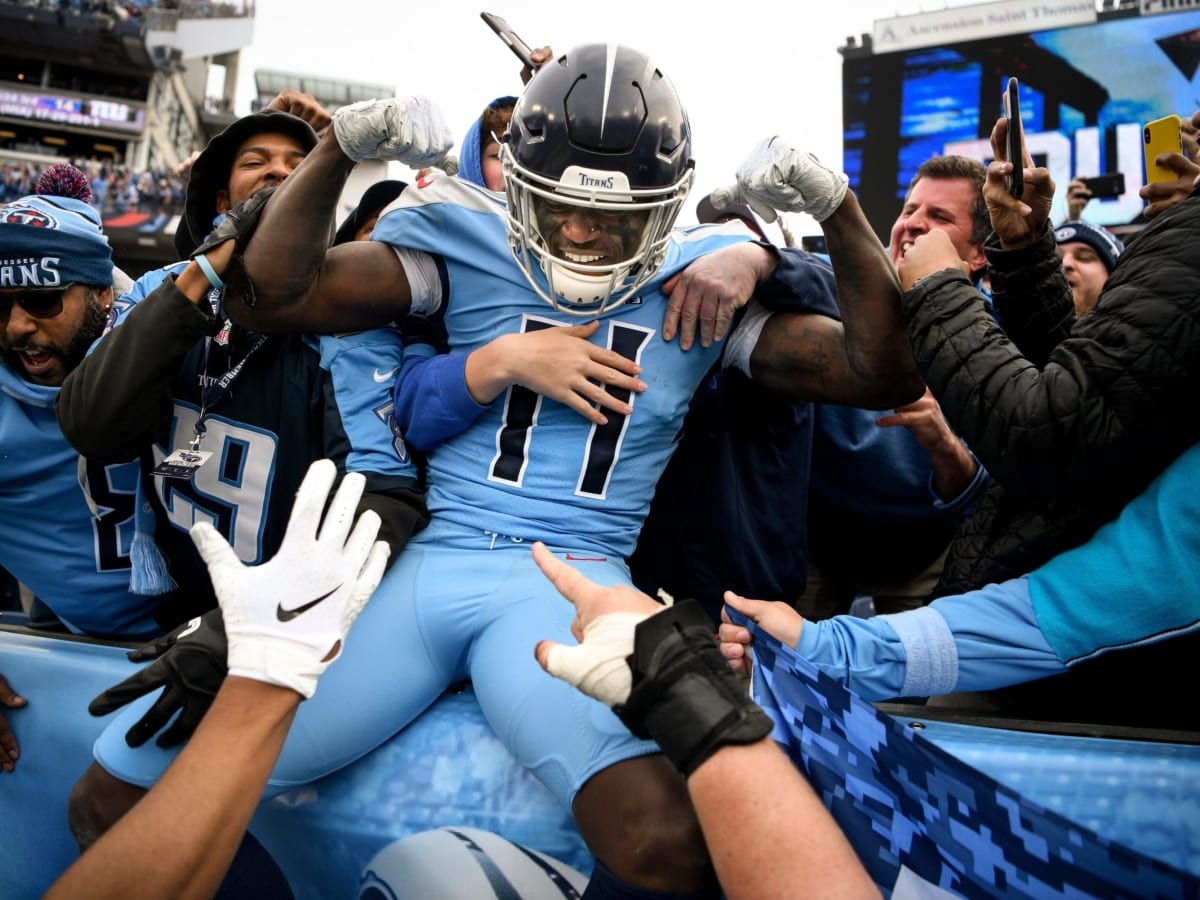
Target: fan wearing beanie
(1089,254)
(71,548)
(225,422)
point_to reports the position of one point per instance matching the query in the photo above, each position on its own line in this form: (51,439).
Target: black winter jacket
(1072,417)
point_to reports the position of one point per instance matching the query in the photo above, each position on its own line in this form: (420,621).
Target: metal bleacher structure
(127,83)
(139,84)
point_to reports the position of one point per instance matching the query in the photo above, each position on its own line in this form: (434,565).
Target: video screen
(1085,93)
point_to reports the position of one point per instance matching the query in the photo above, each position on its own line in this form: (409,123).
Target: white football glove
(778,176)
(597,666)
(287,619)
(410,130)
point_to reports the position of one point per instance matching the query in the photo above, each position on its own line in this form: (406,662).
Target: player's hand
(410,130)
(302,106)
(562,364)
(779,176)
(1162,195)
(189,664)
(605,619)
(1018,222)
(287,619)
(931,252)
(710,290)
(541,56)
(9,748)
(774,617)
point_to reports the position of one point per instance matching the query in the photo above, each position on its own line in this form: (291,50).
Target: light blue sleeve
(362,368)
(978,641)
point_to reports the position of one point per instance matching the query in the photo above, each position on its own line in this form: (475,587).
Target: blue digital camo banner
(909,806)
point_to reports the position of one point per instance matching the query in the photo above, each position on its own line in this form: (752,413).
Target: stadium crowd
(993,403)
(116,188)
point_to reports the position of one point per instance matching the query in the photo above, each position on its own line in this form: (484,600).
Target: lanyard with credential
(184,463)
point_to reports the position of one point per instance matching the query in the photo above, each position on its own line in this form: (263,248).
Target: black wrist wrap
(685,697)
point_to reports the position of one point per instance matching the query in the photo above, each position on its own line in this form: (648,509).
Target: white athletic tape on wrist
(598,666)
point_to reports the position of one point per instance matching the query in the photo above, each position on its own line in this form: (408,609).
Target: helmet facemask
(638,220)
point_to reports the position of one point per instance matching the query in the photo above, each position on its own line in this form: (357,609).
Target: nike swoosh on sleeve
(386,376)
(286,615)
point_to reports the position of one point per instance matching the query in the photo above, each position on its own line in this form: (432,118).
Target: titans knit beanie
(47,240)
(1104,242)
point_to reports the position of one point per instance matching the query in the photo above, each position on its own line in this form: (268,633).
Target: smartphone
(1161,136)
(510,37)
(1110,184)
(1012,116)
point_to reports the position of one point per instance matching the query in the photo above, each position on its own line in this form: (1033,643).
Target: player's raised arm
(289,279)
(865,360)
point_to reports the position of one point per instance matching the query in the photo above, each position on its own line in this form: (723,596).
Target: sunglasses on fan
(44,303)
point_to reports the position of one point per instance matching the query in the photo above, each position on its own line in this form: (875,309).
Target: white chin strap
(579,289)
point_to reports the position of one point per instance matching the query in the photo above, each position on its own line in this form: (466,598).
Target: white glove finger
(364,587)
(725,197)
(767,213)
(339,518)
(213,548)
(371,574)
(310,500)
(357,547)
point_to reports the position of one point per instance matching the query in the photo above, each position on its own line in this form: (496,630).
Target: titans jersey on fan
(530,467)
(76,563)
(296,399)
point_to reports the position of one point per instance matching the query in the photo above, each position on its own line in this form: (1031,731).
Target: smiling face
(942,204)
(45,349)
(262,160)
(587,236)
(1086,274)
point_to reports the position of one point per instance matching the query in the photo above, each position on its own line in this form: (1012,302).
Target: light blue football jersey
(530,467)
(75,562)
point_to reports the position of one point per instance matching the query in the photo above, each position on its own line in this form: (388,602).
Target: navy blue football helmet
(599,131)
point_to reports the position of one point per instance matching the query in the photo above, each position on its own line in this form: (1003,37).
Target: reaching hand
(189,663)
(778,176)
(235,230)
(562,364)
(9,749)
(302,106)
(541,56)
(711,289)
(1078,196)
(658,668)
(774,617)
(1017,221)
(1162,195)
(605,619)
(287,619)
(407,129)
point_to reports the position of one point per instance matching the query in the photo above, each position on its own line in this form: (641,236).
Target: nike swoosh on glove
(287,619)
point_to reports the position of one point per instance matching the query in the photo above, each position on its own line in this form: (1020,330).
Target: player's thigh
(388,673)
(560,734)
